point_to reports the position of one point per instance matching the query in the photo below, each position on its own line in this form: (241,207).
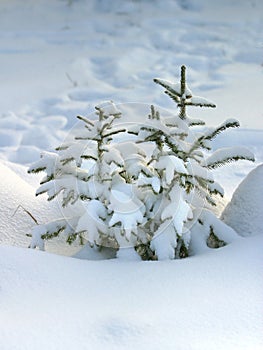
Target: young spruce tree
(155,202)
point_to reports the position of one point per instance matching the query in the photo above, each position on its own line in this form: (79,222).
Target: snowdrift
(245,211)
(17,190)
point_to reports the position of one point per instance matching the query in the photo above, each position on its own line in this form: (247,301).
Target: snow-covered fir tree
(155,202)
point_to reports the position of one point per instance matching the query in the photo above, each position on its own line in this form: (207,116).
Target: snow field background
(71,55)
(57,60)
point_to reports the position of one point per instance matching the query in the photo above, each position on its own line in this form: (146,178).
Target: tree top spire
(182,95)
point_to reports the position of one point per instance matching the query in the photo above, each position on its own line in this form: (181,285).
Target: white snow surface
(57,60)
(245,210)
(209,302)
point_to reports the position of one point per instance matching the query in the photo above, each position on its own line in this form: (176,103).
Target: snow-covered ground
(209,302)
(57,60)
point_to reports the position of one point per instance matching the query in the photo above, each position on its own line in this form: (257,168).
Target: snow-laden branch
(227,155)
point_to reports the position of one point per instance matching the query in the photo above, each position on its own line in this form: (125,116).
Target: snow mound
(244,213)
(14,192)
(17,193)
